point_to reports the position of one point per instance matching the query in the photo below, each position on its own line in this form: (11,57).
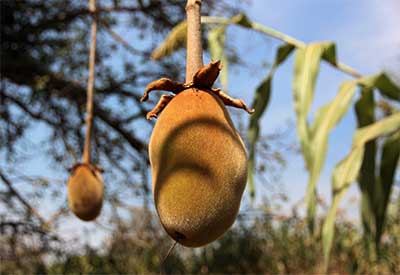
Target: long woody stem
(194,56)
(89,100)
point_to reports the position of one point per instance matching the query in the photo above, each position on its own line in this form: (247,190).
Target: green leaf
(365,112)
(389,161)
(242,20)
(175,40)
(346,172)
(261,97)
(306,69)
(325,120)
(362,155)
(216,44)
(260,103)
(384,84)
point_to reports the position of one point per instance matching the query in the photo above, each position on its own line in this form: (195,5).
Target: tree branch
(119,38)
(24,73)
(13,191)
(73,14)
(31,113)
(116,125)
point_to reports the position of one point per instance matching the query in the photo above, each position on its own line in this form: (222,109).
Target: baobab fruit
(85,192)
(198,160)
(199,168)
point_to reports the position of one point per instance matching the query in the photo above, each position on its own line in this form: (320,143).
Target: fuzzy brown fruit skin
(199,168)
(85,192)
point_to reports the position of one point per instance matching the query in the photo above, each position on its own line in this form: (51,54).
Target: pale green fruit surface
(199,168)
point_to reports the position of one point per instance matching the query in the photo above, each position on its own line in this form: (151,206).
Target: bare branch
(117,126)
(83,11)
(119,38)
(30,112)
(14,192)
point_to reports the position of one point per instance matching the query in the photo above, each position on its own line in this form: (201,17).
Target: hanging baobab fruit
(198,160)
(85,186)
(85,191)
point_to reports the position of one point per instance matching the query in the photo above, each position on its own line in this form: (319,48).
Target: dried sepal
(162,103)
(206,76)
(230,101)
(164,84)
(203,79)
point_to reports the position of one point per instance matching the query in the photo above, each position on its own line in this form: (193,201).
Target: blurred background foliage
(261,242)
(44,54)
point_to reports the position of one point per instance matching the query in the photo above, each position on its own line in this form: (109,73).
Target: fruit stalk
(89,99)
(194,54)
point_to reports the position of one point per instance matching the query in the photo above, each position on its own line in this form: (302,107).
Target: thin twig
(281,36)
(57,214)
(78,12)
(89,102)
(21,199)
(119,38)
(194,56)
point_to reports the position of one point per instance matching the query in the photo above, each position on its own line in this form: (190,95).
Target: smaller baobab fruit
(85,191)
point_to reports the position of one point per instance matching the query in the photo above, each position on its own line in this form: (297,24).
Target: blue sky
(368,39)
(367,33)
